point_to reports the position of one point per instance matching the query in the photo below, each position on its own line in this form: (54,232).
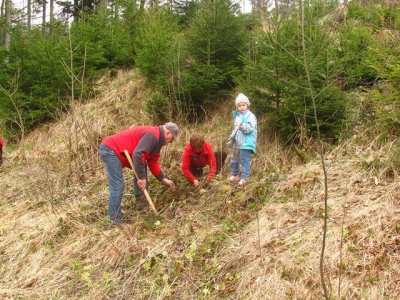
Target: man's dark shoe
(141,202)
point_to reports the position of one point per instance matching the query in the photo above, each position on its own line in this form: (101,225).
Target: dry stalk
(321,153)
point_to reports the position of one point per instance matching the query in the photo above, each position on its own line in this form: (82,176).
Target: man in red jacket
(143,143)
(1,151)
(199,154)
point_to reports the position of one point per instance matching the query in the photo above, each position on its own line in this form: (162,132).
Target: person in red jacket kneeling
(199,154)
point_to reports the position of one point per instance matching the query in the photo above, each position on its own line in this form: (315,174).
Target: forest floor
(217,241)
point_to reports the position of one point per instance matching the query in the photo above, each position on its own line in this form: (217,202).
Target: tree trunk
(44,17)
(29,14)
(142,3)
(2,10)
(51,11)
(103,6)
(7,38)
(2,15)
(76,10)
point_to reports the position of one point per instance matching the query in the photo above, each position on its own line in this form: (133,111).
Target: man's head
(171,132)
(197,142)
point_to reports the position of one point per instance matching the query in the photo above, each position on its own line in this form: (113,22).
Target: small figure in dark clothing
(1,151)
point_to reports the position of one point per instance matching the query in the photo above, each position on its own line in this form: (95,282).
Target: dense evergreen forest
(299,61)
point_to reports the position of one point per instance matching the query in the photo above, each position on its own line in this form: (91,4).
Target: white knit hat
(241,98)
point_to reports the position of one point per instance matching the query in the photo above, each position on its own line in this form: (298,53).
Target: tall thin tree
(7,37)
(321,151)
(44,16)
(1,18)
(29,14)
(51,11)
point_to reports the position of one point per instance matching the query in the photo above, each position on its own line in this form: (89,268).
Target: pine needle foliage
(275,76)
(215,41)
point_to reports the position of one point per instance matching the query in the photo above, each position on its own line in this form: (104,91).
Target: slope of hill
(218,241)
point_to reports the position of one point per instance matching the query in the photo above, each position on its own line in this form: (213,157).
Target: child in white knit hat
(242,140)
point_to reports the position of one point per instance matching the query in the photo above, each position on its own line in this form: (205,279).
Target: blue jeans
(115,182)
(242,160)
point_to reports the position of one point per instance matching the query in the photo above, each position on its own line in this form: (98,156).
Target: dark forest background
(289,57)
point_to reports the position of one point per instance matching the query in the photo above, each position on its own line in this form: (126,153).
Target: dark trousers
(220,158)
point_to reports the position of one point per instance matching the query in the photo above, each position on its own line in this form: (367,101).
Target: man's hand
(141,184)
(168,183)
(196,182)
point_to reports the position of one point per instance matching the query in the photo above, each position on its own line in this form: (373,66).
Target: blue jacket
(246,138)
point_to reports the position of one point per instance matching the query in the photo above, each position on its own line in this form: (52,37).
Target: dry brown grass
(361,263)
(218,241)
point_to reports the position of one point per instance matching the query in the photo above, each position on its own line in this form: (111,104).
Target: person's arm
(186,166)
(250,124)
(141,155)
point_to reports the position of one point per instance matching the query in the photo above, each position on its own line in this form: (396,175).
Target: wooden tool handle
(145,191)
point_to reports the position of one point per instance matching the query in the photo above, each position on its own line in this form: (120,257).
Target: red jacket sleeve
(186,163)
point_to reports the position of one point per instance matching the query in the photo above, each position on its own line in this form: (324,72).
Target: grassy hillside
(218,241)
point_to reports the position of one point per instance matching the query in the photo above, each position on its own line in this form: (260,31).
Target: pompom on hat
(241,98)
